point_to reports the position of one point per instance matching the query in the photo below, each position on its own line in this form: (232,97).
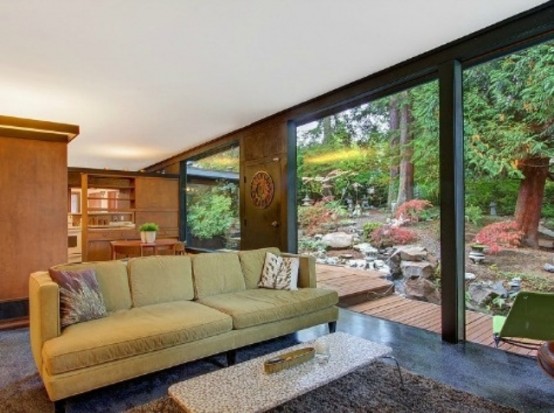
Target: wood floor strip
(354,285)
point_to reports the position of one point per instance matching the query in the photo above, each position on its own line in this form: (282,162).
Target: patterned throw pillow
(289,273)
(270,271)
(80,296)
(280,273)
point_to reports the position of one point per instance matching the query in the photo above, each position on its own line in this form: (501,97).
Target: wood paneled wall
(33,211)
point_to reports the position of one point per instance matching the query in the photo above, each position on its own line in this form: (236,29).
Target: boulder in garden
(337,240)
(422,290)
(417,269)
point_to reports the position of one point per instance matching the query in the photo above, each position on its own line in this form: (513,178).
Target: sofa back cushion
(252,263)
(160,279)
(112,280)
(217,273)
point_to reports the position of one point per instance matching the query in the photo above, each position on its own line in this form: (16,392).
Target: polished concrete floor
(509,379)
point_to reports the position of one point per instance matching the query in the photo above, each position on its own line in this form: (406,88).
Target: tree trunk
(530,196)
(394,126)
(406,182)
(327,130)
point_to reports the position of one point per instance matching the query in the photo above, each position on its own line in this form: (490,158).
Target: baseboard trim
(14,323)
(14,309)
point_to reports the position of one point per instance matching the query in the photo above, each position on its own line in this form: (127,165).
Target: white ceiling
(148,79)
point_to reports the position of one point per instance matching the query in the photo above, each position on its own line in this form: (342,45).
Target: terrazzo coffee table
(245,387)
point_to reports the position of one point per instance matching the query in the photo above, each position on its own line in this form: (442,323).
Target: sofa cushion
(112,280)
(160,279)
(252,263)
(217,273)
(131,333)
(253,307)
(80,296)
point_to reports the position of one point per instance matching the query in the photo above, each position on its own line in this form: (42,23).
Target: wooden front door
(262,220)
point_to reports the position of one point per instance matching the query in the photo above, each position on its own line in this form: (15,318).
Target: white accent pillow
(279,273)
(289,271)
(270,271)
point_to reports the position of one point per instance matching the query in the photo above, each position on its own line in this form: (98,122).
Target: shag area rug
(375,388)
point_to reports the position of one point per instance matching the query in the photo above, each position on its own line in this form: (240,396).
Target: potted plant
(148,232)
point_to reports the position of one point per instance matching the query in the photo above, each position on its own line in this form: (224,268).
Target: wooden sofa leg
(332,326)
(59,406)
(231,357)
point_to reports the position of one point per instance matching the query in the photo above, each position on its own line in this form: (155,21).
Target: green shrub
(369,227)
(548,200)
(210,216)
(474,214)
(430,214)
(310,244)
(547,211)
(503,191)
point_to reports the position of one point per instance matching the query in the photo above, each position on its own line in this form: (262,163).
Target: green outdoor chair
(531,317)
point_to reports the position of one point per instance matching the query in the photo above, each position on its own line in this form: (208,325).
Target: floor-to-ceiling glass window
(212,200)
(509,192)
(368,197)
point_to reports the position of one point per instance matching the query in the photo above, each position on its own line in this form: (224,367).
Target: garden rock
(412,253)
(320,254)
(469,276)
(400,254)
(366,249)
(328,260)
(422,289)
(482,293)
(548,267)
(384,270)
(417,269)
(338,240)
(352,229)
(357,263)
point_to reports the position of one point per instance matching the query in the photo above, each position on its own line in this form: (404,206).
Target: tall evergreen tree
(509,111)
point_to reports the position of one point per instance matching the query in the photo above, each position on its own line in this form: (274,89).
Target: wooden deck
(354,286)
(366,292)
(427,316)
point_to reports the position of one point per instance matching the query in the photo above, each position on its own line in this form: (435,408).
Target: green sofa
(164,311)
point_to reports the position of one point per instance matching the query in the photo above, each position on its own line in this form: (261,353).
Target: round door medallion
(262,189)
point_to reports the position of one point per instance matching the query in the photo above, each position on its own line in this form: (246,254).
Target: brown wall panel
(263,141)
(33,211)
(157,200)
(157,193)
(167,220)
